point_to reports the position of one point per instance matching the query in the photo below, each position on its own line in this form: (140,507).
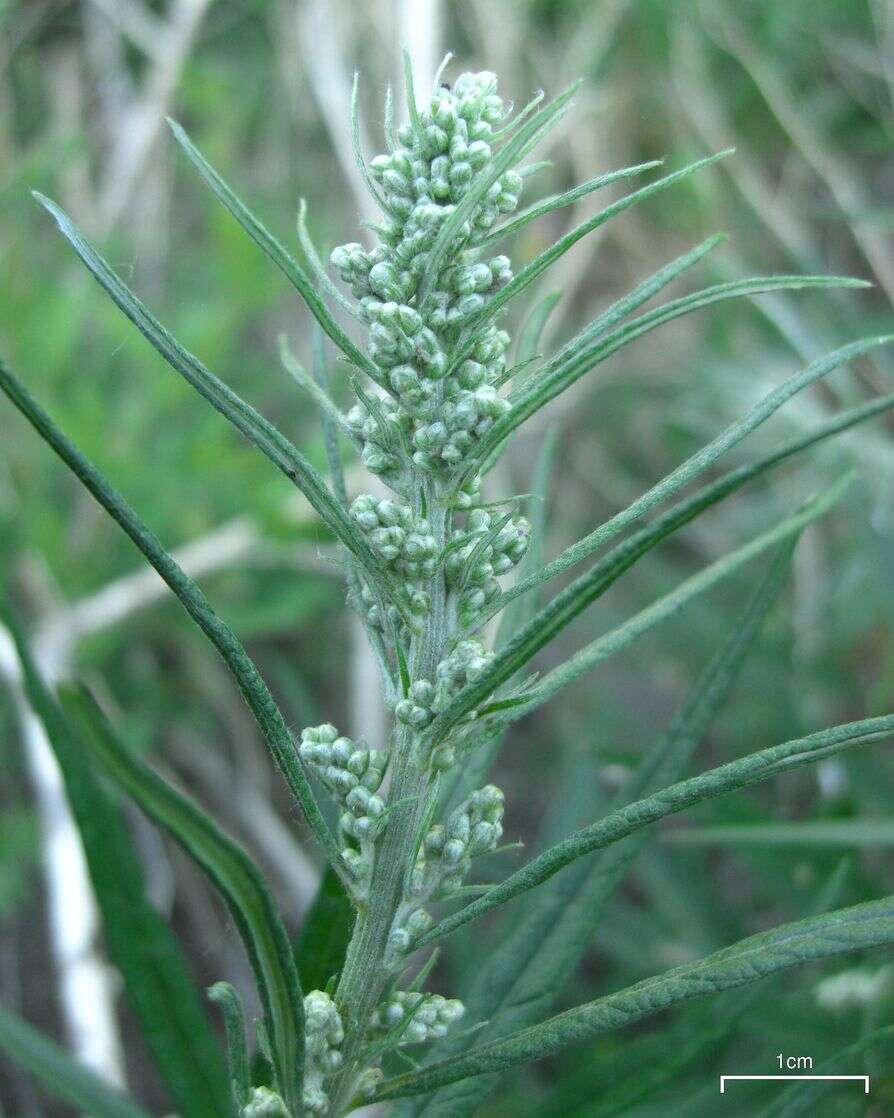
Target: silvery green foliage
(444,860)
(485,547)
(418,1017)
(404,542)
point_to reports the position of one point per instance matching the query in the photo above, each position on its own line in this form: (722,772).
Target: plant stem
(367,972)
(365,975)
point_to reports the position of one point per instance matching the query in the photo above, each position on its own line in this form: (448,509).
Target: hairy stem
(368,969)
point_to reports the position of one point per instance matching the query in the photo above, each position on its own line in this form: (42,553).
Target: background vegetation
(805,90)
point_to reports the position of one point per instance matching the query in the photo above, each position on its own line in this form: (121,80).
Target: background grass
(804,91)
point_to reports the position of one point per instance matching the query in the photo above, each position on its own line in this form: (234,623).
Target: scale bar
(864,1079)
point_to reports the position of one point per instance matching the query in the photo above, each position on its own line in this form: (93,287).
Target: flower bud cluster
(403,541)
(440,409)
(444,860)
(425,699)
(474,828)
(381,434)
(480,552)
(461,667)
(322,1039)
(431,1015)
(353,774)
(416,709)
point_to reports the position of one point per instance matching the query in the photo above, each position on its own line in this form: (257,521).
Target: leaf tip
(177,129)
(219,991)
(55,211)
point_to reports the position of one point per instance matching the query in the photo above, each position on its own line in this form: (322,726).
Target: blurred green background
(804,90)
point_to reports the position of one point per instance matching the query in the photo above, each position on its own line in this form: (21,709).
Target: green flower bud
(411,714)
(478,153)
(487,217)
(460,173)
(444,113)
(476,278)
(368,1082)
(395,181)
(419,923)
(409,320)
(443,758)
(383,280)
(357,864)
(399,941)
(378,461)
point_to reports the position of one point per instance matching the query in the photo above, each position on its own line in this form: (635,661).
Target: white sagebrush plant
(440,390)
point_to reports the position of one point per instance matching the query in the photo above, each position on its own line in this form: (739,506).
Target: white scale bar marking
(864,1079)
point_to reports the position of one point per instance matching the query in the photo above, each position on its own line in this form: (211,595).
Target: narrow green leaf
(157,983)
(567,605)
(556,376)
(634,299)
(271,248)
(323,278)
(603,647)
(528,968)
(531,169)
(511,125)
(438,79)
(403,669)
(812,833)
(559,201)
(653,1061)
(244,418)
(519,613)
(711,494)
(540,263)
(532,330)
(410,91)
(858,928)
(698,463)
(223,994)
(60,1075)
(320,950)
(318,394)
(331,431)
(526,136)
(741,773)
(253,688)
(233,874)
(389,129)
(357,149)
